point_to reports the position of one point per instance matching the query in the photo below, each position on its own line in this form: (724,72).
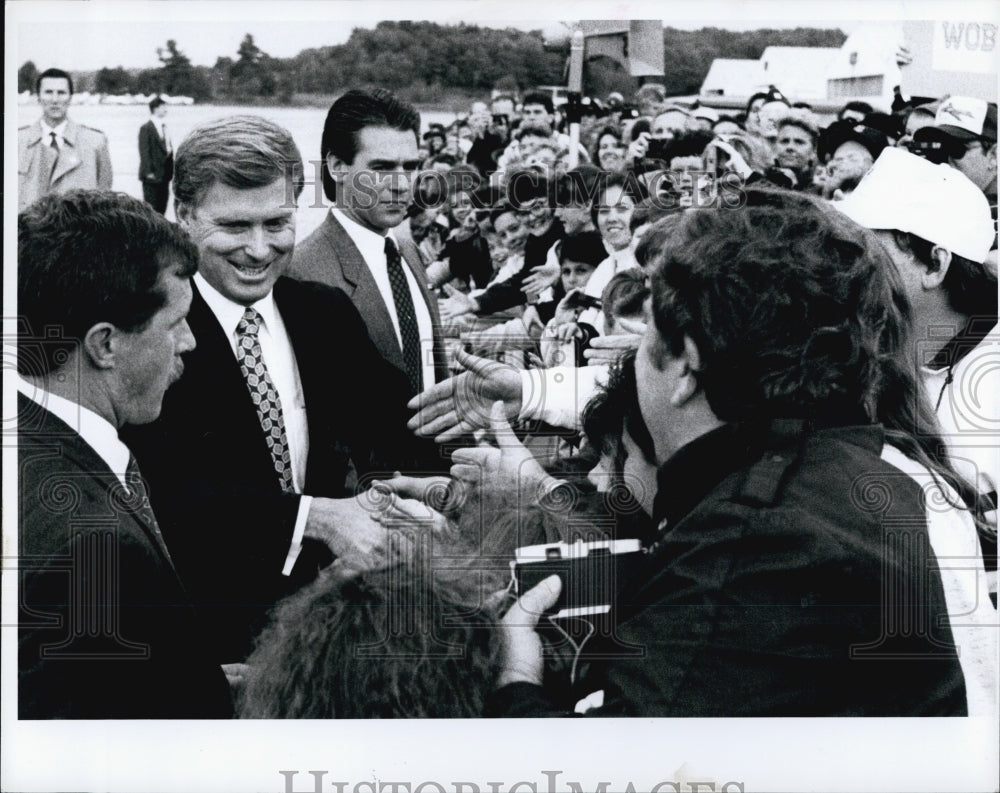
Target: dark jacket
(772,589)
(106,630)
(329,256)
(156,164)
(211,478)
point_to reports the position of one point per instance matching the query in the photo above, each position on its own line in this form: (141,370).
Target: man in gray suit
(369,151)
(55,155)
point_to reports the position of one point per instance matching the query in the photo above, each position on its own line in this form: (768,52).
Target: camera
(936,151)
(500,119)
(591,572)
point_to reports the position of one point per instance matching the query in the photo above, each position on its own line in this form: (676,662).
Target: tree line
(417,58)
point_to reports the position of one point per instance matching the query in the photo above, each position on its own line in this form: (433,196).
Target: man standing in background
(156,157)
(54,154)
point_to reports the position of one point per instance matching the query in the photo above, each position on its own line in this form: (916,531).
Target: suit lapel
(365,294)
(68,443)
(212,367)
(69,159)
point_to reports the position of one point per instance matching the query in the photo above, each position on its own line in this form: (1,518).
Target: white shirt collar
(229,313)
(98,433)
(59,129)
(371,244)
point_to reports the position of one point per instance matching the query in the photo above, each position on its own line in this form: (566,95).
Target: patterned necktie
(264,395)
(139,499)
(406,315)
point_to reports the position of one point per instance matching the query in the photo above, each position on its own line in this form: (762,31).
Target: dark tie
(406,315)
(139,499)
(264,395)
(54,157)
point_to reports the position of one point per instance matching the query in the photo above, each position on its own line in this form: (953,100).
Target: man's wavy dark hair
(353,112)
(796,312)
(90,256)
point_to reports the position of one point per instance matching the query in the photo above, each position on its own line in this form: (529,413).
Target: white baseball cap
(936,202)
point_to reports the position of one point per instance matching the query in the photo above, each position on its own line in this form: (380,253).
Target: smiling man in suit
(55,155)
(105,629)
(369,152)
(285,405)
(156,157)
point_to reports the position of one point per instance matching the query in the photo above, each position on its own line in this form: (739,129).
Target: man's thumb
(499,424)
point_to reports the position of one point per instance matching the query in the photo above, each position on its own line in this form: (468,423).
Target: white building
(863,68)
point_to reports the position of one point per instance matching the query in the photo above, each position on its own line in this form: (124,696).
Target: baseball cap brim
(944,132)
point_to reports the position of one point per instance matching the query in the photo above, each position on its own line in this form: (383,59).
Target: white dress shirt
(372,248)
(279,358)
(59,129)
(97,432)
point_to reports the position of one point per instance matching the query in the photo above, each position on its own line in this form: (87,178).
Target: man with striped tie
(286,407)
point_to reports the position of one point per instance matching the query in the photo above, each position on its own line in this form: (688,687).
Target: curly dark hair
(90,256)
(407,639)
(796,312)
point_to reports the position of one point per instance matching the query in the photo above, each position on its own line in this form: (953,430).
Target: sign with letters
(957,56)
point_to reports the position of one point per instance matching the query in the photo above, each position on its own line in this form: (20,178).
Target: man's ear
(183,212)
(99,345)
(334,165)
(689,364)
(932,277)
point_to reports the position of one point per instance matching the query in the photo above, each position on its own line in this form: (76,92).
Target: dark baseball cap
(841,132)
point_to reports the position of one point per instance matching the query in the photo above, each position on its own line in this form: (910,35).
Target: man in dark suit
(105,629)
(156,157)
(285,407)
(369,152)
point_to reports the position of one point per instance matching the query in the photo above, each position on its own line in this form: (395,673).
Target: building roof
(800,72)
(732,77)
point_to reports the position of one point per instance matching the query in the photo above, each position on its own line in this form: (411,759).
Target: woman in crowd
(608,152)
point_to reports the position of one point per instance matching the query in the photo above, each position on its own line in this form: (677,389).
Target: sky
(86,36)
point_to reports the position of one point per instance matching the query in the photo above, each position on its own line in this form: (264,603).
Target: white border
(765,755)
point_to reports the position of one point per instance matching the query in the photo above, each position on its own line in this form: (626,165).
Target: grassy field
(121,124)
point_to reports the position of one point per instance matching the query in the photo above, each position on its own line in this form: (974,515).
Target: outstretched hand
(509,467)
(456,304)
(464,403)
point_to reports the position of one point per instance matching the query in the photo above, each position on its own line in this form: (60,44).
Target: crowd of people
(724,380)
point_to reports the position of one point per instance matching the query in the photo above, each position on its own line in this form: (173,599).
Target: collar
(698,467)
(963,342)
(371,244)
(229,313)
(59,129)
(96,431)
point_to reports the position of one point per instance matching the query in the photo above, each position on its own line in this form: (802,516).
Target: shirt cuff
(305,502)
(557,395)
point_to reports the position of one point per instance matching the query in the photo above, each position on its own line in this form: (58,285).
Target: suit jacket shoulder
(106,629)
(329,256)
